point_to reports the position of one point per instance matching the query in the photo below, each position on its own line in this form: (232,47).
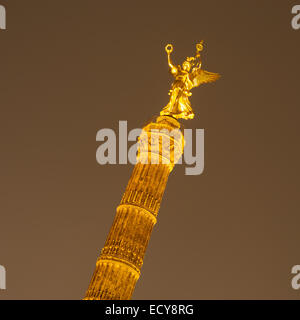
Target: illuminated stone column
(118,267)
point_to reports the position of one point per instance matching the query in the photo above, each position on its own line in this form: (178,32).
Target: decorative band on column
(129,236)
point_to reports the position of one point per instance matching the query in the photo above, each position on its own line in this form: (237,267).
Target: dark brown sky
(69,68)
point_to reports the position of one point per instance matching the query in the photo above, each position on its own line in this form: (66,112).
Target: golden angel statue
(187,76)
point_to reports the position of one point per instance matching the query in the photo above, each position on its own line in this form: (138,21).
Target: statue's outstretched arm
(199,48)
(198,61)
(169,49)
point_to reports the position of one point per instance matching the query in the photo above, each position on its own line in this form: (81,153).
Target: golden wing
(200,76)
